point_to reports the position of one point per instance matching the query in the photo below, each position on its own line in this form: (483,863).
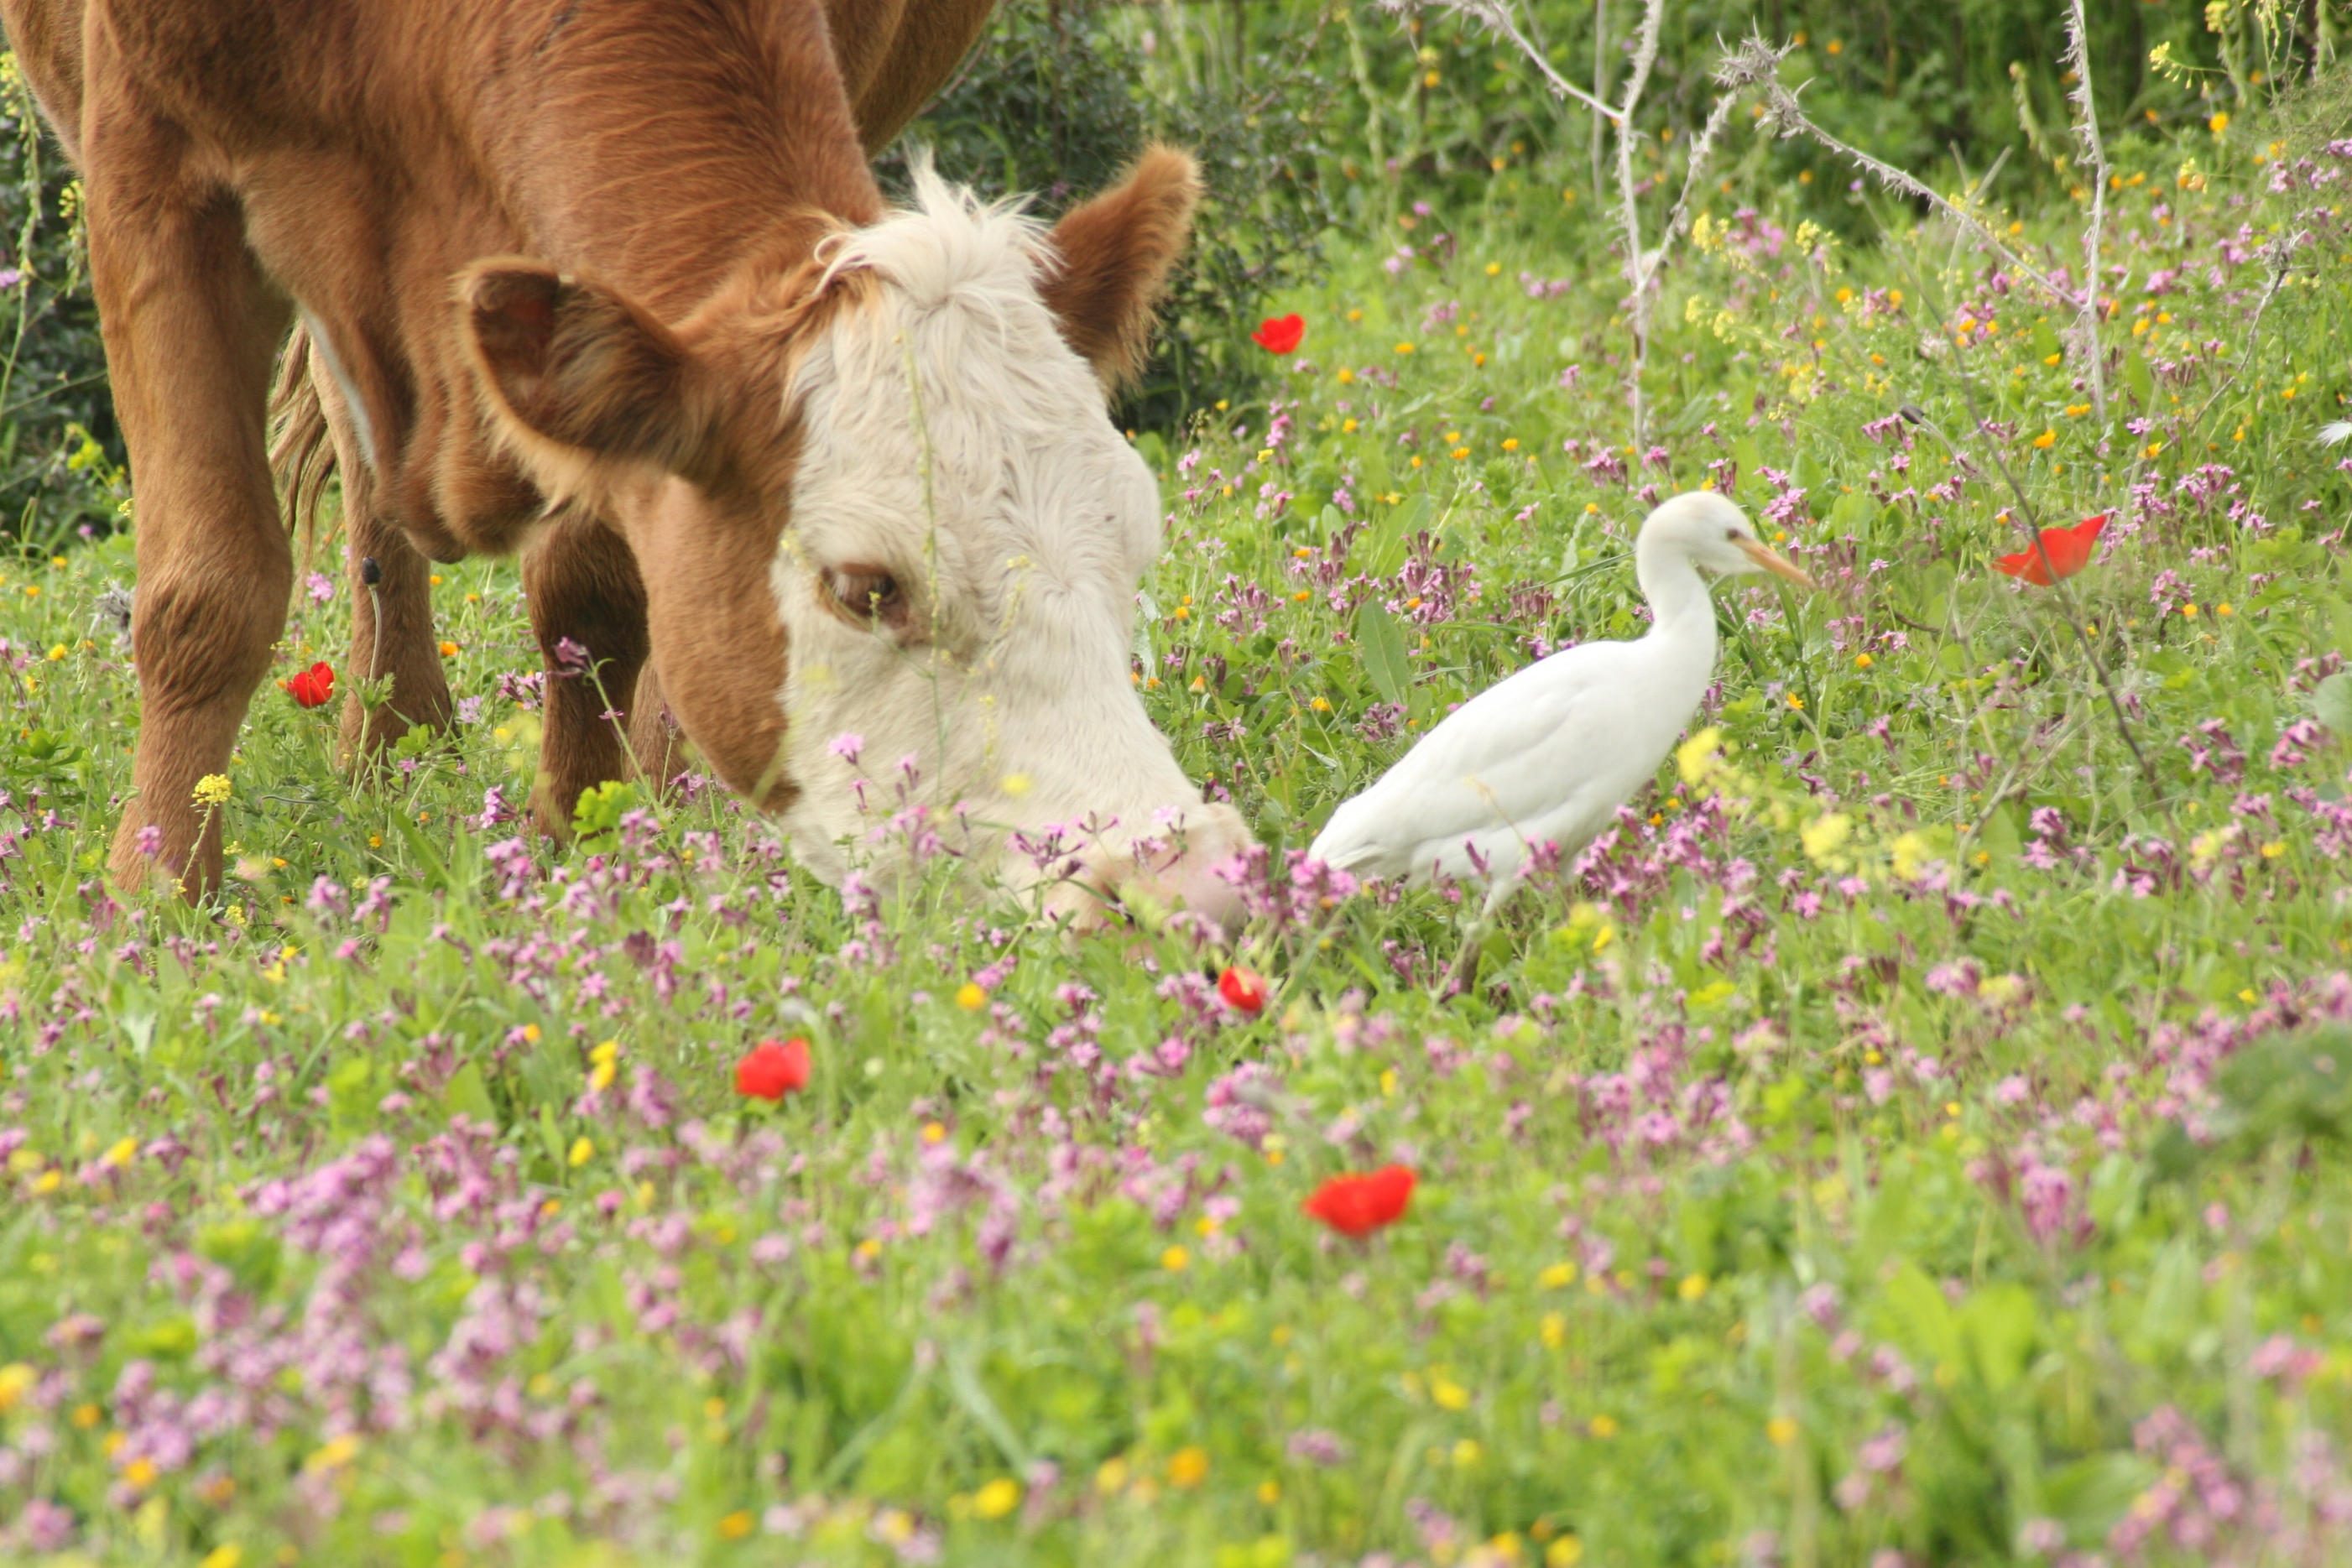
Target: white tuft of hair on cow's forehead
(948,249)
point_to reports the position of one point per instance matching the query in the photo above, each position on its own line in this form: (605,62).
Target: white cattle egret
(1550,754)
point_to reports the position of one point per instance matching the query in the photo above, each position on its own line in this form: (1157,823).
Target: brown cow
(611,281)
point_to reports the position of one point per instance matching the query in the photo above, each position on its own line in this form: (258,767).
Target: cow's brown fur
(666,168)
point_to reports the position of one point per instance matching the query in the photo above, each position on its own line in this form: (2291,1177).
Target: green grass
(1919,1131)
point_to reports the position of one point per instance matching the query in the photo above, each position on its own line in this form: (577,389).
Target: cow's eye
(867,593)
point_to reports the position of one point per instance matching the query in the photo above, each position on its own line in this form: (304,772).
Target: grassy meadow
(1915,1135)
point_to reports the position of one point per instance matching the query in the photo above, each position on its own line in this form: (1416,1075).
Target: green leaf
(551,1137)
(1925,1319)
(2170,1307)
(1382,546)
(597,820)
(2138,377)
(1999,1323)
(2333,703)
(2340,622)
(1882,1223)
(2115,1188)
(2000,837)
(1854,514)
(963,1382)
(469,1093)
(247,1250)
(435,873)
(1382,646)
(2284,1087)
(173,1338)
(139,1028)
(2089,1496)
(350,1097)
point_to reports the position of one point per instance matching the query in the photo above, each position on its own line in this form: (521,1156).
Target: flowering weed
(1914,1133)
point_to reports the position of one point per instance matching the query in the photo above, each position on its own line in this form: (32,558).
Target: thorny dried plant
(1644,266)
(1754,66)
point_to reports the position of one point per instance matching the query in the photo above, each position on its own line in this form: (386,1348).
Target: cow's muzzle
(1119,878)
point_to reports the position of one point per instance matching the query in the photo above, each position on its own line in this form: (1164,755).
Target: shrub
(60,453)
(1054,101)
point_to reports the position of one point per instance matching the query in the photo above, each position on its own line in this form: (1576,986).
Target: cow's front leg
(392,597)
(588,611)
(191,327)
(656,745)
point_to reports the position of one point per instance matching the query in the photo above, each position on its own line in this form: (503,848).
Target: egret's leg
(1463,971)
(1499,891)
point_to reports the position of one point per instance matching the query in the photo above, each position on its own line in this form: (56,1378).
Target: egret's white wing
(1496,761)
(1562,790)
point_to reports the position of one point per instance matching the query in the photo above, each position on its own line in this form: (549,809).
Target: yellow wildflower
(16,1380)
(333,1454)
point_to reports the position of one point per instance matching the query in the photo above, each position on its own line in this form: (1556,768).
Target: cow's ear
(574,372)
(1112,257)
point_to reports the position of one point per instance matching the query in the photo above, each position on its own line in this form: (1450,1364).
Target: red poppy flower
(2069,550)
(1242,990)
(773,1069)
(313,686)
(1359,1205)
(1279,334)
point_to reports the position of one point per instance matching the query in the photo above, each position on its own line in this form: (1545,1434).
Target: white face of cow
(957,581)
(889,540)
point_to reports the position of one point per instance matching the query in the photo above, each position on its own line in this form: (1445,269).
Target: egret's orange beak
(1772,562)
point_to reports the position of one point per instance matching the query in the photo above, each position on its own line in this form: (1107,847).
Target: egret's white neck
(1679,605)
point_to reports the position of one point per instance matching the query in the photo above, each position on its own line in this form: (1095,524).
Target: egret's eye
(867,593)
(1731,534)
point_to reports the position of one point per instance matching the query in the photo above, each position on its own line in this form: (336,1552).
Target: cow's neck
(661,145)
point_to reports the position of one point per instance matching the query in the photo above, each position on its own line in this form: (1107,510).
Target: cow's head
(889,537)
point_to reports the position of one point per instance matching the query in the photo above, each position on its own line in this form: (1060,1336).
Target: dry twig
(1786,118)
(1498,16)
(2086,131)
(1737,70)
